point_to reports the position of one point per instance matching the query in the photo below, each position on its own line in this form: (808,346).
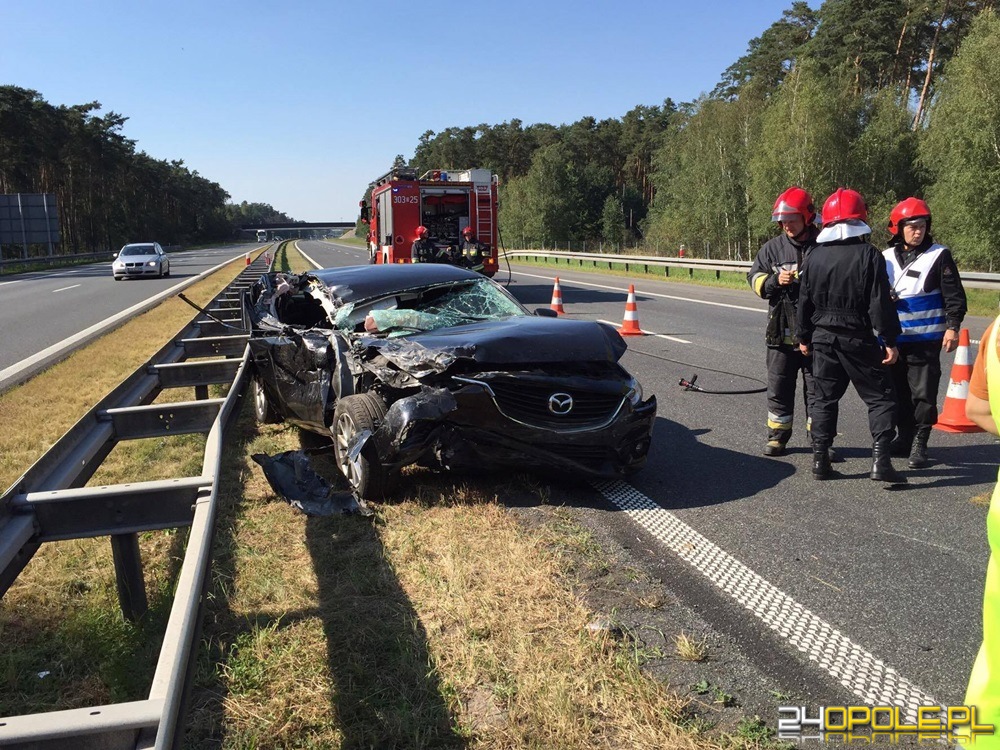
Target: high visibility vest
(921,314)
(984,683)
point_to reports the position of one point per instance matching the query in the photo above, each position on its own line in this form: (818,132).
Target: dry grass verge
(441,622)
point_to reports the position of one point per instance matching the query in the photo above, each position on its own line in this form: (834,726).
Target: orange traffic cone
(952,417)
(248,259)
(556,303)
(630,325)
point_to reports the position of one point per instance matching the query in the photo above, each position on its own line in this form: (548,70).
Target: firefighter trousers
(917,376)
(849,360)
(784,363)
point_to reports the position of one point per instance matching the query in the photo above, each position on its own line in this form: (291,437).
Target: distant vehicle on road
(140,259)
(261,235)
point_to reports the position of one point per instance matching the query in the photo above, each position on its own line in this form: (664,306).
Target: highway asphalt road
(42,308)
(896,574)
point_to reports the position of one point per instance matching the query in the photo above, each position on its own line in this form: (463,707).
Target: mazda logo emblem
(560,403)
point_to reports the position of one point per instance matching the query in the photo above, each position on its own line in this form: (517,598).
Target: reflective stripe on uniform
(776,422)
(757,282)
(921,314)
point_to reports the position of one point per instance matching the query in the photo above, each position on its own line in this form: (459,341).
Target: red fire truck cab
(445,202)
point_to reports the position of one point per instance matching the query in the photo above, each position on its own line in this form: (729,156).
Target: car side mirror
(546,312)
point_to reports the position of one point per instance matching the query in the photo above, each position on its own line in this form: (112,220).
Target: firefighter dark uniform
(931,305)
(784,360)
(473,252)
(844,295)
(423,250)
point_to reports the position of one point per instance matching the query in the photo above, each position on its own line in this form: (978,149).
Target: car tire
(166,274)
(366,475)
(263,409)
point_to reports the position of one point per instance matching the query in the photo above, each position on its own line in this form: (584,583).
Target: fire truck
(445,202)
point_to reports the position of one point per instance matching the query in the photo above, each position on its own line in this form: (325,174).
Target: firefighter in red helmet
(931,304)
(774,277)
(473,251)
(422,250)
(844,296)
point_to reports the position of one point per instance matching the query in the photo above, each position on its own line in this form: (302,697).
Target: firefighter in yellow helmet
(984,684)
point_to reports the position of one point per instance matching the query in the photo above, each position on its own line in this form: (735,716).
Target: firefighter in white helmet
(774,277)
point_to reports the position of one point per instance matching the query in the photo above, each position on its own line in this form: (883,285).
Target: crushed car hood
(517,341)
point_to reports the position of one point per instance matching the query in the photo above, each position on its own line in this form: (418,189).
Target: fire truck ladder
(484,212)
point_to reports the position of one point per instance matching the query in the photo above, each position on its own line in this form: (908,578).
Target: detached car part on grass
(453,373)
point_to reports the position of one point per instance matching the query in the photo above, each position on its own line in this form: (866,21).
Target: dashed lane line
(650,333)
(65,288)
(867,677)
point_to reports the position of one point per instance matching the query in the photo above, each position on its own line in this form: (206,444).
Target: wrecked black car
(438,366)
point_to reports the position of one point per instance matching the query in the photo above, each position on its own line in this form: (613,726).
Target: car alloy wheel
(352,416)
(263,410)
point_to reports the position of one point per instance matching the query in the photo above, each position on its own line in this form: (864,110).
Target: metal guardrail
(49,503)
(973,280)
(53,260)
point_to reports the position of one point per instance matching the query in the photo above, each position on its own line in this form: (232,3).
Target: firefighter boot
(882,470)
(776,442)
(821,462)
(918,456)
(901,444)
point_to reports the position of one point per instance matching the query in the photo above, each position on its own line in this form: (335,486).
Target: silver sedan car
(140,259)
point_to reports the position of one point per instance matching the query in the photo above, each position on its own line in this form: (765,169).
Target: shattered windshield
(428,309)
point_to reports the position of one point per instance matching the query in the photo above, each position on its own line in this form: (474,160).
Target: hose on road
(689,385)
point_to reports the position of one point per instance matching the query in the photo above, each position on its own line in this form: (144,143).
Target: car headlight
(634,392)
(151,263)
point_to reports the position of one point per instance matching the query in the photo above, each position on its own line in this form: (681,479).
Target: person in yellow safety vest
(473,251)
(984,684)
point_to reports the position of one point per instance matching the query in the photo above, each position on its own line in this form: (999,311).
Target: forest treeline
(107,192)
(889,97)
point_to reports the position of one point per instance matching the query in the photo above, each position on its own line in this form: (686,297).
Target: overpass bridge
(299,229)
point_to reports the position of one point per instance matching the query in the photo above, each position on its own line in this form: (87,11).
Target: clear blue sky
(302,104)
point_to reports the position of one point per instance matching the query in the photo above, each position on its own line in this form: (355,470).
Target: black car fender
(429,406)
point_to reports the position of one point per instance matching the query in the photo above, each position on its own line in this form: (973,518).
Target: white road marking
(867,677)
(315,264)
(65,288)
(650,333)
(645,293)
